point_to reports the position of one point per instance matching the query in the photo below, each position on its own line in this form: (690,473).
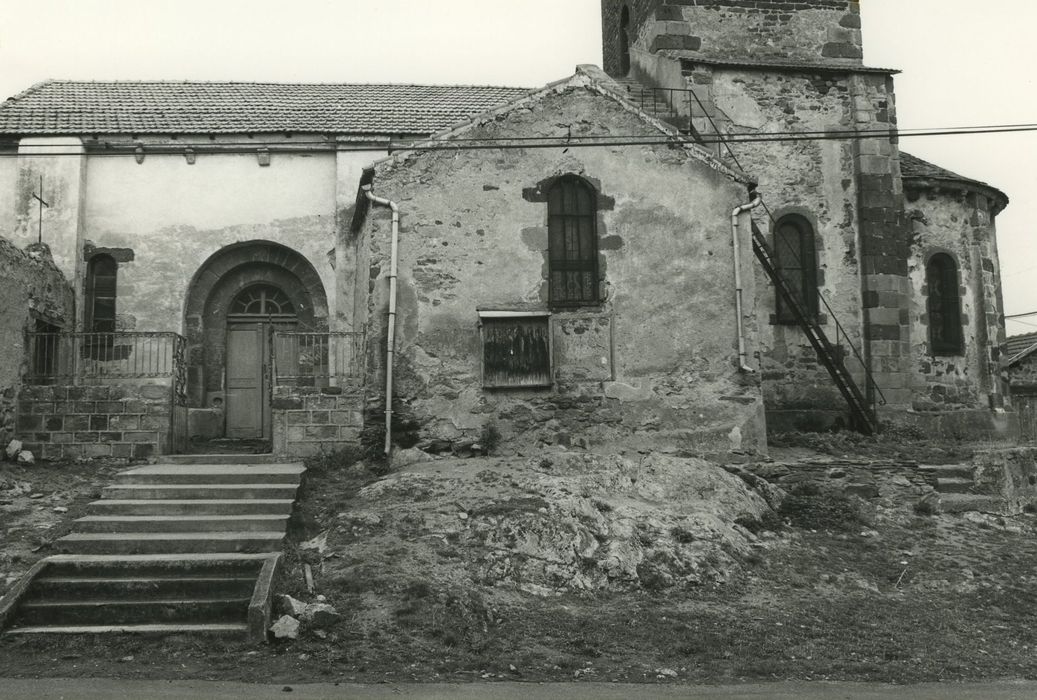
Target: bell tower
(817,32)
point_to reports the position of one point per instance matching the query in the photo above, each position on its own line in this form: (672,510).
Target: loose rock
(286,627)
(320,615)
(13,448)
(291,606)
(26,458)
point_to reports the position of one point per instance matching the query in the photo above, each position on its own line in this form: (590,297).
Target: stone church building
(714,236)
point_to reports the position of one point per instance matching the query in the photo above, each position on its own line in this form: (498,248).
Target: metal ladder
(863,420)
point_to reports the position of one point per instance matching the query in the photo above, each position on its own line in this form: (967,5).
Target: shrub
(490,437)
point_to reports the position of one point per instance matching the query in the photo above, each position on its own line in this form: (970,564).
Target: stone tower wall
(804,31)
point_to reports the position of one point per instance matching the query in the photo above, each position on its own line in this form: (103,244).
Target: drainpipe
(757,200)
(390,343)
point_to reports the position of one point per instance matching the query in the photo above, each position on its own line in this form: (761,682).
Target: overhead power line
(521,142)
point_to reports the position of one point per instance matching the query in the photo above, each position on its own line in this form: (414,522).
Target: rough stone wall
(307,420)
(883,241)
(655,363)
(1023,377)
(32,289)
(961,224)
(809,31)
(812,179)
(129,419)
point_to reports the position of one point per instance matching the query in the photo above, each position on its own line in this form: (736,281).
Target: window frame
(563,217)
(808,276)
(941,294)
(489,317)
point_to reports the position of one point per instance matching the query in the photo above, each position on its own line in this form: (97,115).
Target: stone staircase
(189,547)
(653,102)
(957,488)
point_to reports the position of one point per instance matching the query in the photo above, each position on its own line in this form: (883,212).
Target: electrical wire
(519,142)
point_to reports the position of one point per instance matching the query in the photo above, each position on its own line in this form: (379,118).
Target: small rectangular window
(516,349)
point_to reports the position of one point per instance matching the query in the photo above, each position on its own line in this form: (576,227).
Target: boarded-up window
(796,259)
(572,242)
(516,351)
(944,306)
(100,294)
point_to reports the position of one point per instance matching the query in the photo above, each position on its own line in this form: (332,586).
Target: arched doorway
(236,299)
(254,314)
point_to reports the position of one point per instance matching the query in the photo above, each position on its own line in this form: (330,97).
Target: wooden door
(248,405)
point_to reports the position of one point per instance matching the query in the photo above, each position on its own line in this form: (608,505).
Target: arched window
(795,256)
(262,300)
(624,41)
(101,275)
(572,242)
(944,306)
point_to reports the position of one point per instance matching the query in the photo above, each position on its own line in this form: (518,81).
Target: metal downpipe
(390,342)
(757,200)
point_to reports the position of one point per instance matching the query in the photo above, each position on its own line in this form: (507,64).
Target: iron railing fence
(318,359)
(80,357)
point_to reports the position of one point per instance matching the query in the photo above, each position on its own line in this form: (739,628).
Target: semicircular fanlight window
(262,300)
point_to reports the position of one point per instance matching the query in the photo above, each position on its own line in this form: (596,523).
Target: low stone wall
(129,419)
(899,480)
(1010,474)
(307,420)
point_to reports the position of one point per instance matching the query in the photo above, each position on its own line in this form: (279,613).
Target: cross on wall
(43,203)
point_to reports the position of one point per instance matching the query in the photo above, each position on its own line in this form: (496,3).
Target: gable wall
(654,364)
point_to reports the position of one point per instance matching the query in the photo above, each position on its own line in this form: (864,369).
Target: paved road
(105,689)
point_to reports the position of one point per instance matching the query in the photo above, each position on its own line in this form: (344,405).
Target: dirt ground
(38,504)
(835,588)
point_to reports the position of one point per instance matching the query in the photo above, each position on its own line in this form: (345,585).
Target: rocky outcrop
(561,521)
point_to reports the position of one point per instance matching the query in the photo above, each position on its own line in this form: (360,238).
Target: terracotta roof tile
(130,107)
(1017,345)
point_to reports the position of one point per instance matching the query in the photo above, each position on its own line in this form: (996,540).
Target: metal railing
(70,357)
(318,359)
(673,105)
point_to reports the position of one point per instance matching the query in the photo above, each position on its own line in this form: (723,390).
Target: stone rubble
(286,627)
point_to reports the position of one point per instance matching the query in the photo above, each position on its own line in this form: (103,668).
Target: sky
(961,65)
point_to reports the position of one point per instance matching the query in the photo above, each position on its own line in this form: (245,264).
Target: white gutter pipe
(390,343)
(757,200)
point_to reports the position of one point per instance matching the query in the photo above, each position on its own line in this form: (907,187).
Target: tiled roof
(145,107)
(1016,346)
(913,167)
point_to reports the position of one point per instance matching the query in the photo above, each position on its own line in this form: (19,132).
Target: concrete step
(107,587)
(169,542)
(206,506)
(221,459)
(954,485)
(946,471)
(115,611)
(212,474)
(160,629)
(181,523)
(155,565)
(963,502)
(164,492)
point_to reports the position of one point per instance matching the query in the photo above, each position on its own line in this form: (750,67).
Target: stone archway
(210,306)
